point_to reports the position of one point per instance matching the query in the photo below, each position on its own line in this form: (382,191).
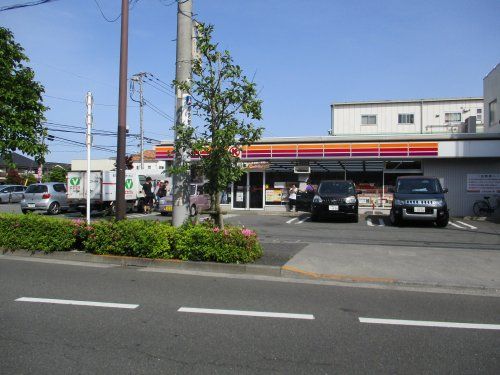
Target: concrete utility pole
(182,74)
(89,101)
(139,78)
(122,116)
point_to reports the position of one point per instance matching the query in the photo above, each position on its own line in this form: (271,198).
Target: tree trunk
(219,220)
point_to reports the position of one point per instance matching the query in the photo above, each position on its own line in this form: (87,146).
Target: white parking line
(424,323)
(291,220)
(455,225)
(77,303)
(467,225)
(381,222)
(303,220)
(247,313)
(369,222)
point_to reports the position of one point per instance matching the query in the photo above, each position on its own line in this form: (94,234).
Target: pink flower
(216,230)
(226,233)
(247,232)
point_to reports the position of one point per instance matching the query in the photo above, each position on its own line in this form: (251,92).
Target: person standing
(148,195)
(292,198)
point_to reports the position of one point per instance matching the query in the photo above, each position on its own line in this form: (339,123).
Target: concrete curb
(125,261)
(284,272)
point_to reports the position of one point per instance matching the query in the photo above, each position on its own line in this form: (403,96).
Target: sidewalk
(398,265)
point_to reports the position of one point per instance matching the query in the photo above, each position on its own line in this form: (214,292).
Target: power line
(81,101)
(131,4)
(24,5)
(158,110)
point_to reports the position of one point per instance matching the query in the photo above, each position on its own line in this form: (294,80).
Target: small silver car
(11,193)
(49,197)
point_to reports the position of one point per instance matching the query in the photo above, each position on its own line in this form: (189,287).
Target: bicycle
(484,207)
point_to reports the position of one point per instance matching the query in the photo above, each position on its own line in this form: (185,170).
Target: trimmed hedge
(148,239)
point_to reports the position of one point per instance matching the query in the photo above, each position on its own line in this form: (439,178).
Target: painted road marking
(467,225)
(381,222)
(424,323)
(303,220)
(247,313)
(455,225)
(77,303)
(369,222)
(291,220)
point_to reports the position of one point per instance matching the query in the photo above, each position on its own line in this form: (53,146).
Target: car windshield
(5,190)
(36,189)
(419,186)
(336,187)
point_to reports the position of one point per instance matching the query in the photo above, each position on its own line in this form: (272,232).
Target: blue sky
(304,54)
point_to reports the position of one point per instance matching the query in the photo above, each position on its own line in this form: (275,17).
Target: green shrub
(231,245)
(148,239)
(36,232)
(133,238)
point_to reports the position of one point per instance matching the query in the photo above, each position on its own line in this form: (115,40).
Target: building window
(479,115)
(162,167)
(368,119)
(491,111)
(406,118)
(452,117)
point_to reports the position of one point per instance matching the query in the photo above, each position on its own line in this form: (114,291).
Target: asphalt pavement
(170,323)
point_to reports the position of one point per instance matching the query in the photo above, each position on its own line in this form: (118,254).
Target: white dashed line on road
(303,220)
(291,220)
(261,314)
(424,323)
(77,303)
(467,225)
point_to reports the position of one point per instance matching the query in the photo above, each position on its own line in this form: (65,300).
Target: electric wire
(25,5)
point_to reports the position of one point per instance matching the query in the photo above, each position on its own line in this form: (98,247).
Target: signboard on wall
(273,195)
(239,196)
(483,183)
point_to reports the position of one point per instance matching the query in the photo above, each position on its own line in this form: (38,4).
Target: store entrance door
(248,192)
(256,190)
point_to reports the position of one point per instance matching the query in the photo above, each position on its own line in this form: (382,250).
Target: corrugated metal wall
(454,173)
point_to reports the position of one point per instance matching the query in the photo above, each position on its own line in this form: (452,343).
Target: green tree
(58,174)
(227,102)
(21,107)
(28,179)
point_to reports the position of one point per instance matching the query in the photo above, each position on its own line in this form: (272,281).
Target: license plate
(168,209)
(333,208)
(419,209)
(31,205)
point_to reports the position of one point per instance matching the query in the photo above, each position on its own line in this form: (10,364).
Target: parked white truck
(102,190)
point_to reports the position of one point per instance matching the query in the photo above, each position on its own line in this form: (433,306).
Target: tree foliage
(13,177)
(21,107)
(227,102)
(58,174)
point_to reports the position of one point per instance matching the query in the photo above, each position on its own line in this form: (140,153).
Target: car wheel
(441,223)
(314,217)
(25,211)
(395,221)
(193,211)
(54,208)
(355,219)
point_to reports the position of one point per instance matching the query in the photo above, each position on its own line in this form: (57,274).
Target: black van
(419,198)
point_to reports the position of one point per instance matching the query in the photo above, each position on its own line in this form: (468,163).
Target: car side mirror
(445,190)
(390,190)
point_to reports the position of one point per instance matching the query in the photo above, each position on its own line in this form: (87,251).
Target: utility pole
(139,78)
(122,116)
(180,184)
(89,101)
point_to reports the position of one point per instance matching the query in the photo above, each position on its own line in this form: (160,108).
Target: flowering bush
(149,239)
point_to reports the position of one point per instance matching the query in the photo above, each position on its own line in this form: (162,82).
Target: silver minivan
(49,197)
(11,193)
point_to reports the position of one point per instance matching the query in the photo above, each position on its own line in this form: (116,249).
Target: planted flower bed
(147,239)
